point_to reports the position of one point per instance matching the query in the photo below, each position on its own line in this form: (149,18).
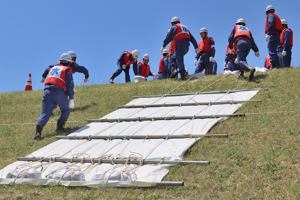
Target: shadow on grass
(67,132)
(54,113)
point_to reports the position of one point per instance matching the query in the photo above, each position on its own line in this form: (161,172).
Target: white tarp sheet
(153,149)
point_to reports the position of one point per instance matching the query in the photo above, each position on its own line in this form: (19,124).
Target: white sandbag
(258,69)
(112,176)
(139,78)
(68,174)
(195,76)
(24,173)
(231,72)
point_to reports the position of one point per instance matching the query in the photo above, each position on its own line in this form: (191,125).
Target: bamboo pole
(110,161)
(142,137)
(164,118)
(187,104)
(212,92)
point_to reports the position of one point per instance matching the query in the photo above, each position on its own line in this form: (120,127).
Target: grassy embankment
(259,159)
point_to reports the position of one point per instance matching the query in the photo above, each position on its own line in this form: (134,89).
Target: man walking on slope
(273,29)
(207,50)
(244,41)
(59,85)
(181,36)
(285,45)
(126,59)
(74,68)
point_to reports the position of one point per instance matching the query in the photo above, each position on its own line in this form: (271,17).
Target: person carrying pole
(181,36)
(74,68)
(285,45)
(242,37)
(59,86)
(126,59)
(144,67)
(163,70)
(273,29)
(206,53)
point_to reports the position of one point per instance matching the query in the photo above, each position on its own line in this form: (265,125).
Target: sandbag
(195,76)
(68,174)
(112,176)
(24,173)
(139,78)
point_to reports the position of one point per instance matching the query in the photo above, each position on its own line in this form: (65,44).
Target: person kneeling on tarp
(143,68)
(163,72)
(58,86)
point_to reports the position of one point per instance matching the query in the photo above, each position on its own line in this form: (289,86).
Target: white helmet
(135,54)
(175,19)
(65,57)
(203,30)
(186,71)
(72,54)
(283,21)
(165,51)
(240,20)
(270,7)
(146,57)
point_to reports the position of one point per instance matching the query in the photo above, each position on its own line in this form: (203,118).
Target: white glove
(153,74)
(72,103)
(268,37)
(257,54)
(124,66)
(284,53)
(195,62)
(225,66)
(197,51)
(231,51)
(85,80)
(211,59)
(162,48)
(42,80)
(236,61)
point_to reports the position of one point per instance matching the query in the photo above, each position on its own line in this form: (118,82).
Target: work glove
(124,66)
(231,51)
(257,54)
(236,61)
(195,62)
(211,59)
(85,80)
(268,38)
(197,51)
(162,48)
(284,53)
(153,74)
(72,103)
(225,66)
(42,80)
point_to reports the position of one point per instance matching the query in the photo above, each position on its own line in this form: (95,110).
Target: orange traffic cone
(28,84)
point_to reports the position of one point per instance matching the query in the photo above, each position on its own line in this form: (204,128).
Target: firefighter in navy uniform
(163,70)
(58,87)
(143,67)
(285,45)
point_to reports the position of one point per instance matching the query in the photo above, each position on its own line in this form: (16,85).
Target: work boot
(38,133)
(182,75)
(277,64)
(111,81)
(174,73)
(241,74)
(251,74)
(60,126)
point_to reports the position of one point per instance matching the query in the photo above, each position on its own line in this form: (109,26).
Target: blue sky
(35,33)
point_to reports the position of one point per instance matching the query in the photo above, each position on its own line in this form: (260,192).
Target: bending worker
(144,67)
(207,53)
(126,59)
(58,87)
(181,35)
(273,29)
(163,71)
(74,68)
(285,45)
(242,36)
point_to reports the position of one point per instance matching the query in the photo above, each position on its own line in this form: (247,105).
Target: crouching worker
(143,68)
(58,87)
(163,70)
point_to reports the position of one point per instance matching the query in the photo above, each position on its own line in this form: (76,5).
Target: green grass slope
(259,159)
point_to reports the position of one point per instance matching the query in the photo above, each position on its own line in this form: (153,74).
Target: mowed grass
(259,160)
